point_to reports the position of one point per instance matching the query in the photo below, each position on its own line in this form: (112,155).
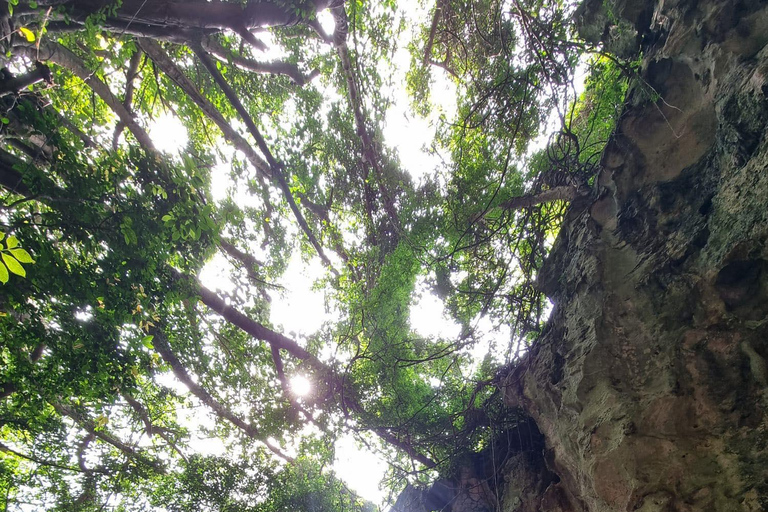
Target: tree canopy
(118,364)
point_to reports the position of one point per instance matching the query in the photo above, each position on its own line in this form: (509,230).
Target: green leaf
(12,242)
(28,34)
(2,235)
(13,265)
(33,5)
(22,255)
(167,218)
(147,342)
(3,274)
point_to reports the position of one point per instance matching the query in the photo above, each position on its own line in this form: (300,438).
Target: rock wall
(650,384)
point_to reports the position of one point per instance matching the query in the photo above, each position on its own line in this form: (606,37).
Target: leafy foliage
(12,258)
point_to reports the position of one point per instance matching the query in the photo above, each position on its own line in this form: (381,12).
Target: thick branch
(275,68)
(251,39)
(432,32)
(10,84)
(13,180)
(274,165)
(214,14)
(181,373)
(563,193)
(279,342)
(178,35)
(319,210)
(54,52)
(36,154)
(7,389)
(81,452)
(260,332)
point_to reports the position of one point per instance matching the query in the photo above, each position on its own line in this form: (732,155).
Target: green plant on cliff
(126,381)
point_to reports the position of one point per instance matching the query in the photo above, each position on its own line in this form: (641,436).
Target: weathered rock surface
(650,384)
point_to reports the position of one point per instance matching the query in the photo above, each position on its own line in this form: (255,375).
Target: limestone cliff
(649,385)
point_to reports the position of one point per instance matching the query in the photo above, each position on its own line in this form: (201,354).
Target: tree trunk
(649,385)
(205,15)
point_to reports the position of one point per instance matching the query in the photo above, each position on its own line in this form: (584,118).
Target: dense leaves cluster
(126,383)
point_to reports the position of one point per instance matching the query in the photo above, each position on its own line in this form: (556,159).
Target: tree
(114,233)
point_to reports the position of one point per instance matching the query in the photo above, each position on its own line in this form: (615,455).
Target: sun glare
(168,134)
(300,385)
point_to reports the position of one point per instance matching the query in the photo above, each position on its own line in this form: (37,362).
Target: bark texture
(649,386)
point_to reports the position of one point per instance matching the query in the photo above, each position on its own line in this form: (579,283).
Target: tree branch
(177,76)
(89,426)
(213,14)
(164,349)
(130,76)
(371,155)
(81,452)
(274,165)
(248,262)
(62,56)
(7,389)
(13,180)
(258,331)
(563,193)
(10,84)
(280,342)
(212,46)
(432,32)
(150,428)
(43,462)
(178,35)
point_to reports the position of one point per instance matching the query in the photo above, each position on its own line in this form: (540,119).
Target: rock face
(650,384)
